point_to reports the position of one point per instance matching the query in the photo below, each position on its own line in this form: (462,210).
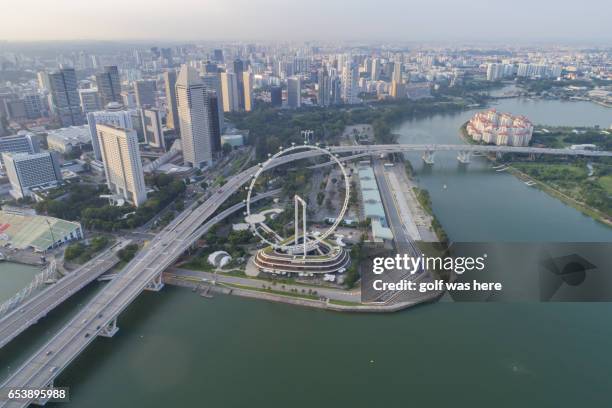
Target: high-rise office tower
(229,91)
(26,171)
(367,66)
(210,67)
(350,75)
(65,97)
(239,71)
(247,84)
(43,80)
(122,164)
(218,55)
(128,99)
(152,128)
(16,110)
(215,121)
(172,120)
(212,82)
(114,115)
(276,96)
(323,93)
(34,105)
(335,97)
(197,114)
(376,68)
(294,92)
(90,100)
(109,85)
(166,55)
(145,93)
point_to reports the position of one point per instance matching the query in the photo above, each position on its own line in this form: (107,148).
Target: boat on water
(499,167)
(530,183)
(502,169)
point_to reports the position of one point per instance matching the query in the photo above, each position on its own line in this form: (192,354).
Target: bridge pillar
(499,155)
(428,157)
(464,156)
(110,329)
(156,284)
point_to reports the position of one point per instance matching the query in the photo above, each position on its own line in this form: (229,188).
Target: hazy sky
(528,20)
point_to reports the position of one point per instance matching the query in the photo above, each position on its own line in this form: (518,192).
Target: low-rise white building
(64,140)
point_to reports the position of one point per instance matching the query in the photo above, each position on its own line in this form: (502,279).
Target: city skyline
(340,20)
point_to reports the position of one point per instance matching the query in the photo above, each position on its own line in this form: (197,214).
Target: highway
(390,148)
(98,316)
(33,309)
(100,313)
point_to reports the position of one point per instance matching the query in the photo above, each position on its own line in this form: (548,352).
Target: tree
(73,251)
(98,243)
(127,253)
(227,148)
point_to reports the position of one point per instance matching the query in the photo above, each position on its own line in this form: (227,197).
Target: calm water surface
(176,349)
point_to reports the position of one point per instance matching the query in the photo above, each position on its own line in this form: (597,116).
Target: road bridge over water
(99,316)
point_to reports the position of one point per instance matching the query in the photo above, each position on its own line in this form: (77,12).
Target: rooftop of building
(24,231)
(79,134)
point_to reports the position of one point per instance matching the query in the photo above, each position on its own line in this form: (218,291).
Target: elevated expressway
(36,307)
(465,151)
(99,316)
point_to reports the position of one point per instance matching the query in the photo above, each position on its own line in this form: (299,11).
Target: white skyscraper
(114,115)
(376,66)
(122,163)
(350,76)
(197,117)
(294,91)
(152,128)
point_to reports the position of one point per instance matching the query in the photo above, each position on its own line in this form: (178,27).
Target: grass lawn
(606,183)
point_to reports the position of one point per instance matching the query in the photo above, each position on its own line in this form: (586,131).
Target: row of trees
(82,253)
(271,128)
(83,203)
